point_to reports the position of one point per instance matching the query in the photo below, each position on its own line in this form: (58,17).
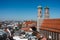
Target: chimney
(39,17)
(46,15)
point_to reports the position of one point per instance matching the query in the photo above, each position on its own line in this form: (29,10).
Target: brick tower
(39,17)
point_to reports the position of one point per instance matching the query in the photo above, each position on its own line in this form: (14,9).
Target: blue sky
(27,9)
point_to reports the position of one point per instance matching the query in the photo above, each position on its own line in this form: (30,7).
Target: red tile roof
(25,29)
(51,25)
(30,22)
(48,24)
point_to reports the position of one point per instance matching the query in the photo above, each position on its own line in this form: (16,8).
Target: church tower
(46,15)
(39,17)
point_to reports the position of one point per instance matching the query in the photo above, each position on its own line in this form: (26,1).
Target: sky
(27,9)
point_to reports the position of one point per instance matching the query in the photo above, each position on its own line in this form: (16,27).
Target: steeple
(39,17)
(46,15)
(40,11)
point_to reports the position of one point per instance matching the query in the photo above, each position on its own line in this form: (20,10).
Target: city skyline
(27,9)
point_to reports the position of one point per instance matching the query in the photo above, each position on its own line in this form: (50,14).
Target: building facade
(51,29)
